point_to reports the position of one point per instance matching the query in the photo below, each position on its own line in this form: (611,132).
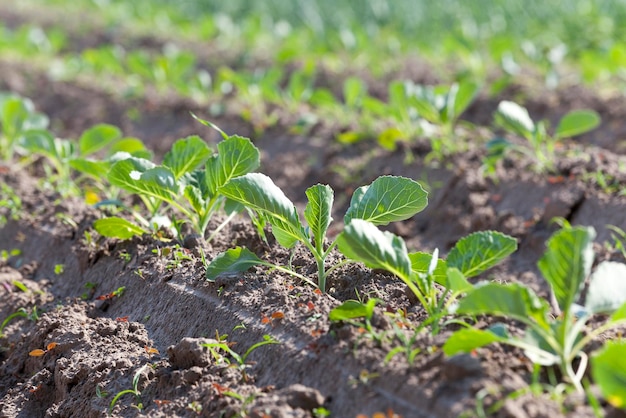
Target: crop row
(195,182)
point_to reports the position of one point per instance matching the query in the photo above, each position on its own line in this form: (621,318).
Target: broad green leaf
(387,199)
(619,314)
(363,241)
(468,339)
(234,260)
(607,288)
(116,227)
(512,300)
(567,262)
(236,156)
(96,169)
(13,115)
(352,309)
(577,122)
(134,176)
(194,197)
(456,281)
(424,100)
(186,155)
(317,211)
(420,265)
(258,192)
(514,118)
(97,137)
(480,251)
(608,367)
(353,89)
(465,95)
(133,146)
(39,142)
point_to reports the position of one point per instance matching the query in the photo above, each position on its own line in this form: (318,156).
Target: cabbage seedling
(550,341)
(189,180)
(362,241)
(386,200)
(540,145)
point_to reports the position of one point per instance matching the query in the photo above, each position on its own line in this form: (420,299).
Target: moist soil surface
(153,339)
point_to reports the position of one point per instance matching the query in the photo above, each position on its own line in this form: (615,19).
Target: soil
(159,329)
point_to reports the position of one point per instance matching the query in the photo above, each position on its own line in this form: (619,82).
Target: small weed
(194,407)
(59,269)
(134,391)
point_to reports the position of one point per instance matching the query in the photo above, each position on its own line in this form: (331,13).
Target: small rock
(300,396)
(192,375)
(189,352)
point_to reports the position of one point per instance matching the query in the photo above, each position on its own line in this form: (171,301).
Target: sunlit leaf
(116,227)
(607,288)
(577,122)
(97,138)
(514,118)
(567,263)
(186,155)
(468,339)
(317,211)
(362,241)
(387,199)
(235,157)
(480,251)
(258,192)
(234,260)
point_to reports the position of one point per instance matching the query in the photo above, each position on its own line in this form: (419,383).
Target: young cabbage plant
(550,341)
(65,157)
(188,181)
(387,199)
(426,274)
(540,145)
(439,106)
(18,120)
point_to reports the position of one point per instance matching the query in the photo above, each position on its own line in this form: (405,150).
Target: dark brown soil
(157,327)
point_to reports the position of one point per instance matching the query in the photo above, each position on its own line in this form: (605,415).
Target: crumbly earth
(162,331)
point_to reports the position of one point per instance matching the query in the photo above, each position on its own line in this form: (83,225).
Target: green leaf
(456,281)
(235,260)
(607,288)
(387,199)
(353,90)
(258,192)
(362,241)
(236,156)
(40,142)
(352,309)
(512,300)
(116,227)
(480,251)
(577,122)
(608,367)
(468,339)
(186,155)
(420,263)
(97,137)
(424,100)
(420,267)
(567,263)
(134,176)
(465,95)
(96,169)
(619,314)
(133,146)
(514,118)
(13,115)
(317,211)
